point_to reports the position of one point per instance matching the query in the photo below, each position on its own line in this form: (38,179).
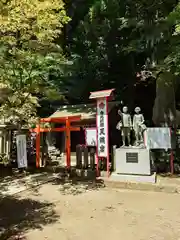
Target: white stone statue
(138,126)
(125,125)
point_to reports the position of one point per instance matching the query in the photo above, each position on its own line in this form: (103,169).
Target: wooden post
(172,162)
(38,146)
(172,155)
(68,144)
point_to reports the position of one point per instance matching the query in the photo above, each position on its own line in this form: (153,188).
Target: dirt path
(104,214)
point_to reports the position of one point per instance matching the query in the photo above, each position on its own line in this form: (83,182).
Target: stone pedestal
(132,161)
(132,164)
(133,178)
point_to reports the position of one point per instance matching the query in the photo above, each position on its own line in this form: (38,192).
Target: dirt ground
(50,214)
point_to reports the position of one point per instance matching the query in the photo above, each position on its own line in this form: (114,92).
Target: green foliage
(4,159)
(106,42)
(98,45)
(28,55)
(115,37)
(172,60)
(22,20)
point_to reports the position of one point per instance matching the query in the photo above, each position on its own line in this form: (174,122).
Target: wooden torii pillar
(67,129)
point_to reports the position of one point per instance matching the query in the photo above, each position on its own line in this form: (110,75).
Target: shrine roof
(101,94)
(86,111)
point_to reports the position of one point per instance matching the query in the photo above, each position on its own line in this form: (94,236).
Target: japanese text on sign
(158,138)
(21,151)
(102,127)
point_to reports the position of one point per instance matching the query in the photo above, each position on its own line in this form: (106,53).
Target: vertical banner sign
(21,151)
(102,127)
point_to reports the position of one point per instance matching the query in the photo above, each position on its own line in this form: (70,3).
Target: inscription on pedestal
(132,161)
(132,157)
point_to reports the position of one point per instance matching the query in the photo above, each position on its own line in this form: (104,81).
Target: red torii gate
(68,128)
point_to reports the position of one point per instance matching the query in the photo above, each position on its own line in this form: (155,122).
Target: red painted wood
(68,128)
(60,120)
(172,159)
(68,144)
(38,146)
(63,129)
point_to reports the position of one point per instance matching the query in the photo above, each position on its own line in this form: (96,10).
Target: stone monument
(132,163)
(125,126)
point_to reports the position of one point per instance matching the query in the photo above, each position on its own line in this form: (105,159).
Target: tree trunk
(164,110)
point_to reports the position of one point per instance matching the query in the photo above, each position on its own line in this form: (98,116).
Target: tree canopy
(53,50)
(120,44)
(28,54)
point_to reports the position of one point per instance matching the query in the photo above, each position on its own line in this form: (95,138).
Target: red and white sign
(102,98)
(102,127)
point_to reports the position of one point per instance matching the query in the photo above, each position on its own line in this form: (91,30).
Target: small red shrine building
(68,124)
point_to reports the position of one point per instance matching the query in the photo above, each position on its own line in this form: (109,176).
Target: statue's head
(137,110)
(125,109)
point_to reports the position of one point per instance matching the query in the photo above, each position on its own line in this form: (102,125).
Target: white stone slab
(141,167)
(133,178)
(158,138)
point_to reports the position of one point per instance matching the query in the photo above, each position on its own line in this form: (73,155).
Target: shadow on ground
(33,178)
(12,182)
(76,185)
(19,215)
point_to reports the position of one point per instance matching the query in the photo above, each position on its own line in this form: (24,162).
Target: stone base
(132,161)
(133,178)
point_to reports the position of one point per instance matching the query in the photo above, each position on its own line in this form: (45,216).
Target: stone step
(156,187)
